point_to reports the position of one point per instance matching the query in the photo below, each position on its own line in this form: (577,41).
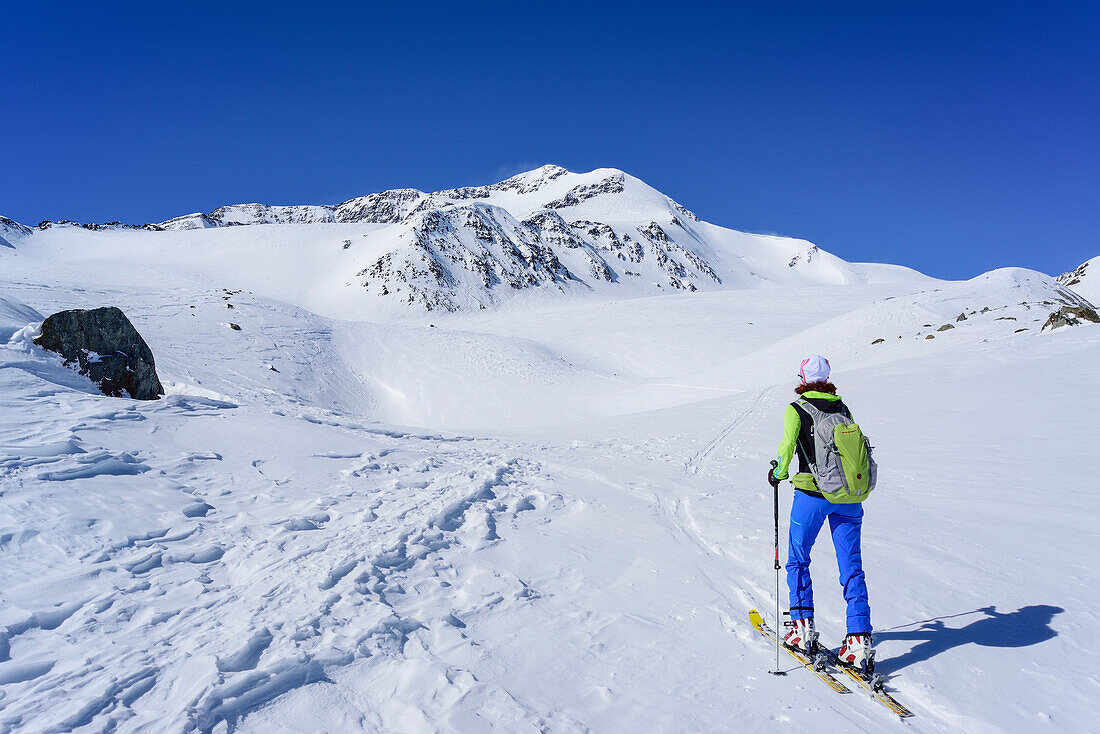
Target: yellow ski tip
(755,619)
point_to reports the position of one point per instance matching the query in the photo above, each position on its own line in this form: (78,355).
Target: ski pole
(775,505)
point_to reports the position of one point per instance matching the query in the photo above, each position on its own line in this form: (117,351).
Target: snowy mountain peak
(550,228)
(11,230)
(548,187)
(531,181)
(548,231)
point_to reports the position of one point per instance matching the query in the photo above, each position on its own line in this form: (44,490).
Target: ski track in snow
(702,454)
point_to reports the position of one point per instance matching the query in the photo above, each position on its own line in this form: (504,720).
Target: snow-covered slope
(11,232)
(549,516)
(1084,280)
(543,234)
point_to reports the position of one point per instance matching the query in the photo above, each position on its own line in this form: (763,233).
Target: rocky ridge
(548,229)
(1084,280)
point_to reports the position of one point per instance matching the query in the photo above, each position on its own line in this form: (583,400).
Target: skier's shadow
(1024,627)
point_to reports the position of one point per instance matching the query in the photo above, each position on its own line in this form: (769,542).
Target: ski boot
(857,653)
(802,637)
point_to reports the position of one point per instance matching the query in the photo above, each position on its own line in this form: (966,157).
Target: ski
(875,684)
(813,666)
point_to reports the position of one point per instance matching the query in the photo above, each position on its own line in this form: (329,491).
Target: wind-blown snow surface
(545,517)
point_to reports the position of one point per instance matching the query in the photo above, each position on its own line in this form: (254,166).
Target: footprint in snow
(248,657)
(199,509)
(144,564)
(313,522)
(338,573)
(24,671)
(206,555)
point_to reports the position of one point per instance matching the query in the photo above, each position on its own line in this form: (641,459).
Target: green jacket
(792,424)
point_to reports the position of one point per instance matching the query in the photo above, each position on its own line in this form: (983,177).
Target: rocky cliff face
(449,257)
(464,256)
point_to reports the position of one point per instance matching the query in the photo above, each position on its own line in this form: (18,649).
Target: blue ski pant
(808,514)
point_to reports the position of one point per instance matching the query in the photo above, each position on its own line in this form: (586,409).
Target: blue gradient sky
(952,139)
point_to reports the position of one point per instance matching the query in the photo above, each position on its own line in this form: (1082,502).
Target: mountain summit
(547,231)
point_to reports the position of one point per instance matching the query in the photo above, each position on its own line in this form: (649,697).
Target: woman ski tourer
(829,486)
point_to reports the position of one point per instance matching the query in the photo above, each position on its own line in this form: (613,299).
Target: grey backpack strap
(815,415)
(813,411)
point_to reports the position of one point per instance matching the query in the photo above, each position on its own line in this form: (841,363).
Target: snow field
(230,580)
(544,518)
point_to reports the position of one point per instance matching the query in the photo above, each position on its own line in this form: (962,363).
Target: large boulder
(105,346)
(1071,316)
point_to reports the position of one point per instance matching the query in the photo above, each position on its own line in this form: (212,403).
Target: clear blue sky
(951,137)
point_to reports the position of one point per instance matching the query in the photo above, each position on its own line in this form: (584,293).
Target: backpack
(845,471)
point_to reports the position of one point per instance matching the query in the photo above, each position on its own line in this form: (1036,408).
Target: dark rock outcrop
(611,185)
(1071,316)
(104,346)
(1074,276)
